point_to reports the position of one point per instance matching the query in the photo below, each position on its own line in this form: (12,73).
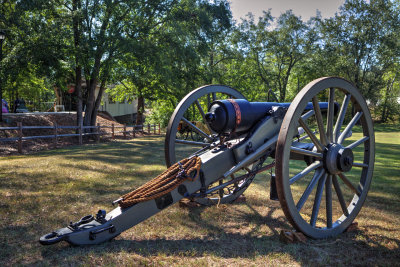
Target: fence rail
(81,132)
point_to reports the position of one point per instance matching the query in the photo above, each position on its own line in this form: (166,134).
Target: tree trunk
(94,76)
(286,79)
(140,109)
(90,103)
(211,74)
(97,102)
(78,89)
(76,5)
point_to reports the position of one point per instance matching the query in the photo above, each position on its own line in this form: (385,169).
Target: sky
(303,8)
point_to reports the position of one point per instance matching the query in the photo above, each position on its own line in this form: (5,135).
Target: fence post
(55,134)
(148,128)
(98,133)
(133,131)
(80,132)
(142,128)
(124,131)
(159,128)
(112,133)
(19,124)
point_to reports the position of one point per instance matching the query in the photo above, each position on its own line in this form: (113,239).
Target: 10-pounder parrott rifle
(322,175)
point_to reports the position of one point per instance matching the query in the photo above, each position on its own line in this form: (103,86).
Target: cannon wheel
(337,161)
(196,100)
(176,148)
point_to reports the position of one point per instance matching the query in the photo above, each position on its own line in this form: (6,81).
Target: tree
(276,50)
(176,51)
(36,50)
(142,69)
(389,105)
(361,44)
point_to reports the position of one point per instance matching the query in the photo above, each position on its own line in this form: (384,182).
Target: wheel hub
(338,159)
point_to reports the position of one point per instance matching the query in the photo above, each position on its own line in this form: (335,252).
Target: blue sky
(303,8)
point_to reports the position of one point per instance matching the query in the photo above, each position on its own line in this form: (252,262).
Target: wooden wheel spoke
(358,142)
(350,126)
(328,201)
(317,200)
(203,115)
(320,123)
(341,116)
(306,171)
(186,142)
(349,184)
(360,165)
(196,129)
(305,117)
(235,183)
(309,188)
(340,195)
(331,109)
(221,191)
(312,136)
(305,152)
(208,101)
(305,136)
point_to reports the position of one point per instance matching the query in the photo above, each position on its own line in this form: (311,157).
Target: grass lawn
(42,192)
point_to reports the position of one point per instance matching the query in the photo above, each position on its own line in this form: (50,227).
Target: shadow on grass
(347,248)
(387,128)
(385,179)
(387,154)
(217,242)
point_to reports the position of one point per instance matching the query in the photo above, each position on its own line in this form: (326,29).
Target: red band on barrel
(237,112)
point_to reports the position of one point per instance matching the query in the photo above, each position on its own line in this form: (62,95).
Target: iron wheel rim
(283,150)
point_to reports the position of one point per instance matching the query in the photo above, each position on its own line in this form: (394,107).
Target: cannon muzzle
(226,116)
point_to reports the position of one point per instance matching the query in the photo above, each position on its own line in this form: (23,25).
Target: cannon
(320,146)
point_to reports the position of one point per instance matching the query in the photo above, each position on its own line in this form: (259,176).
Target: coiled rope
(186,169)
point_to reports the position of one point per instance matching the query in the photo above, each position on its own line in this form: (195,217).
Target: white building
(116,108)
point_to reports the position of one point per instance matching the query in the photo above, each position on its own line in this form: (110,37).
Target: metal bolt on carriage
(320,146)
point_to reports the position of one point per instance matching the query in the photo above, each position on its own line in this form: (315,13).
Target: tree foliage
(160,50)
(361,44)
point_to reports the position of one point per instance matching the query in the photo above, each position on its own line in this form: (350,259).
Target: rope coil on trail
(186,169)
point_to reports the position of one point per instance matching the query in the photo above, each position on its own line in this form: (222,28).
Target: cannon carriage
(320,146)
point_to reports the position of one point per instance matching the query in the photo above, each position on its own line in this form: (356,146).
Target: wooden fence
(126,131)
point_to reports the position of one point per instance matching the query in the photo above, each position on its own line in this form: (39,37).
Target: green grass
(44,191)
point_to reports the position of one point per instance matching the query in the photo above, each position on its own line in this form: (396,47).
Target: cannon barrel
(239,115)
